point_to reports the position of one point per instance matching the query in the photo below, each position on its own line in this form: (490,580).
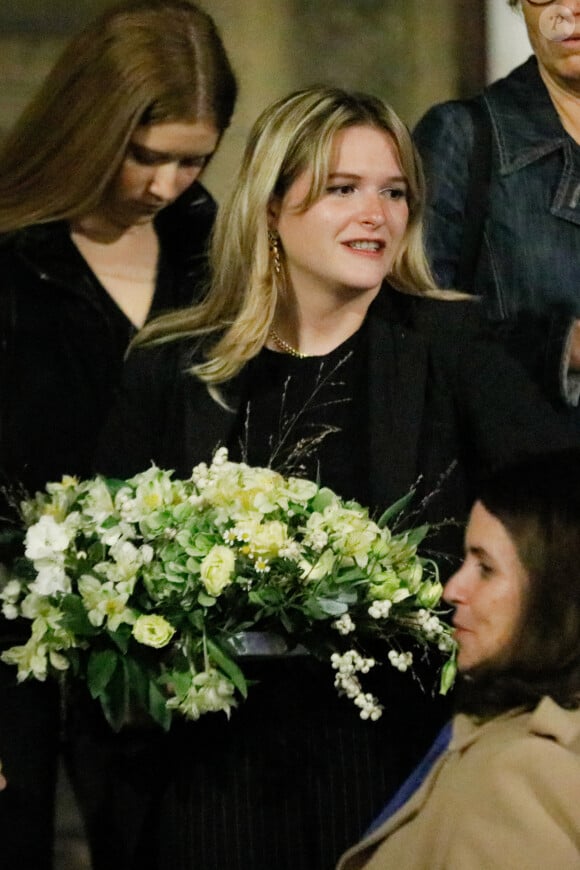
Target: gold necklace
(287,348)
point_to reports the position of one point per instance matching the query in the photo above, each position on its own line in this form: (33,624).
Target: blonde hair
(294,134)
(141,63)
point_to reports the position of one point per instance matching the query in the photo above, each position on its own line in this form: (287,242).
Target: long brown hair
(143,62)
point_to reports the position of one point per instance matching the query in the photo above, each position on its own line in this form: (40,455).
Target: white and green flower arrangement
(146,588)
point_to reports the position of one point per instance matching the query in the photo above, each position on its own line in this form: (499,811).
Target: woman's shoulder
(527,744)
(455,117)
(445,125)
(436,315)
(162,363)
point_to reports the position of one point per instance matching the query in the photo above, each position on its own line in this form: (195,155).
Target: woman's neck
(124,261)
(566,101)
(315,326)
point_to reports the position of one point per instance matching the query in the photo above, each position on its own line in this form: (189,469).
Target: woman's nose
(372,210)
(455,589)
(164,182)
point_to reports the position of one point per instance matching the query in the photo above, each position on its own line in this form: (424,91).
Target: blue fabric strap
(415,779)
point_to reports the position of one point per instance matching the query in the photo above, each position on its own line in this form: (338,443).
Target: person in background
(322,349)
(506,790)
(103,223)
(503,211)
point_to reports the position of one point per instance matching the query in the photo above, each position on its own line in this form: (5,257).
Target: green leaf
(114,484)
(229,667)
(138,680)
(157,706)
(415,536)
(121,637)
(75,618)
(205,600)
(322,499)
(196,620)
(395,509)
(355,573)
(100,670)
(115,699)
(332,607)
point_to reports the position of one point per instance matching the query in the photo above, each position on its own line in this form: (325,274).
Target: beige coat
(505,796)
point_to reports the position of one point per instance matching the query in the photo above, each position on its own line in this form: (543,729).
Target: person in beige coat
(505,793)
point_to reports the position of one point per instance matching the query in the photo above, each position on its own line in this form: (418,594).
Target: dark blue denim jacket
(528,271)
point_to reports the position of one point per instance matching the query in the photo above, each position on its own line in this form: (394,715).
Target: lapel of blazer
(207,423)
(398,367)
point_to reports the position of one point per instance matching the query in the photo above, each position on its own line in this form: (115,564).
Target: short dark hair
(537,500)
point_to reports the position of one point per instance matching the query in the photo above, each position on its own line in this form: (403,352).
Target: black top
(307,416)
(432,400)
(63,339)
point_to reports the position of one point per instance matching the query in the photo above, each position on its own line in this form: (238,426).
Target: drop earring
(273,240)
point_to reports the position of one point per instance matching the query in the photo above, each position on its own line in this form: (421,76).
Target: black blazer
(445,404)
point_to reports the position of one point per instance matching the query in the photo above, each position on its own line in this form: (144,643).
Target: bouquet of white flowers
(149,588)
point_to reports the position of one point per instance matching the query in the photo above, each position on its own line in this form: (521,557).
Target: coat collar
(538,131)
(547,720)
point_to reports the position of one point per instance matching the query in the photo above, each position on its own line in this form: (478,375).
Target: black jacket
(527,267)
(63,339)
(441,396)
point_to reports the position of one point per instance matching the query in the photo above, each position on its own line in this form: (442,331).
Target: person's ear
(273,212)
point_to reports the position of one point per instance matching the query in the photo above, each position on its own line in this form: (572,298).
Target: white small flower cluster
(318,540)
(292,551)
(346,681)
(434,630)
(401,661)
(380,609)
(344,625)
(9,596)
(209,692)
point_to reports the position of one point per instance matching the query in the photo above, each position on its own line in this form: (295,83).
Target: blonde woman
(102,223)
(321,348)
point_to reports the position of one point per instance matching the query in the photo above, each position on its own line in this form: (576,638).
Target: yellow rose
(153,631)
(217,569)
(269,538)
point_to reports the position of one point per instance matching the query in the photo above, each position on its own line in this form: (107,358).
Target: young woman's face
(554,32)
(161,162)
(347,240)
(487,592)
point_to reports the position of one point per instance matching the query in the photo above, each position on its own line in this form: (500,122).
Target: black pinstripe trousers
(289,782)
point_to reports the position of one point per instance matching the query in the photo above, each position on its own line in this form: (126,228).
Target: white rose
(153,630)
(217,569)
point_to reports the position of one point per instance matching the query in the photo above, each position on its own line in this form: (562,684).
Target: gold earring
(273,240)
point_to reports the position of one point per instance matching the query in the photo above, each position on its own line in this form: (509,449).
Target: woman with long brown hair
(103,224)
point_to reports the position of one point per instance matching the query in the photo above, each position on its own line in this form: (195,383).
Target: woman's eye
(395,193)
(194,162)
(485,570)
(142,156)
(341,189)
